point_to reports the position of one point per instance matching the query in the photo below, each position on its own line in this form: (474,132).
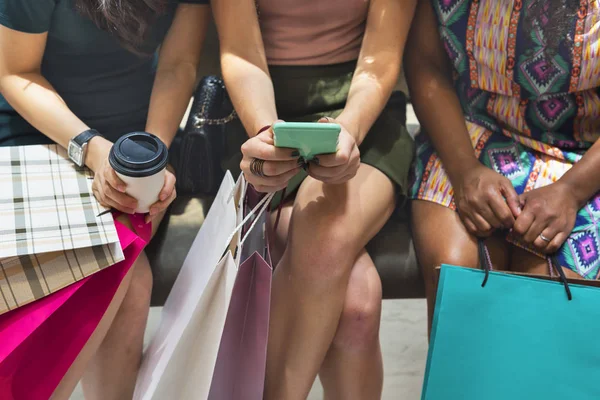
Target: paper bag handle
(485,263)
(262,205)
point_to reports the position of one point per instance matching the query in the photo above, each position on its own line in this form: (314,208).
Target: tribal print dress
(531,101)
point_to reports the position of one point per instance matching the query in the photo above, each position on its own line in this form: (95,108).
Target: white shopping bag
(164,360)
(181,358)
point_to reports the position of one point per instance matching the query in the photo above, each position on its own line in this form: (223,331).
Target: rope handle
(485,263)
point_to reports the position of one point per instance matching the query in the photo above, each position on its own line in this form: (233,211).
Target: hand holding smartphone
(309,138)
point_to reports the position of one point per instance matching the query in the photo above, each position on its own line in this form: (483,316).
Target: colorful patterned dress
(530,116)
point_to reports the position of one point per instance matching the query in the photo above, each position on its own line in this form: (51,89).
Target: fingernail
(295,153)
(153,211)
(121,188)
(519,210)
(163,196)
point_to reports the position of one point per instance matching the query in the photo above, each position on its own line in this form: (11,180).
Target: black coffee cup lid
(138,154)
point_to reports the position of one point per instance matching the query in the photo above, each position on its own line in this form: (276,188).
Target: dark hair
(128,20)
(554,19)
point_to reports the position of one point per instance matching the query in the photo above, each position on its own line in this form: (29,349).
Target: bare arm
(485,199)
(177,70)
(429,78)
(378,65)
(34,98)
(244,63)
(583,179)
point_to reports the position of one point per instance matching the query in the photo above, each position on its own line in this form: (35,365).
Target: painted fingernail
(295,153)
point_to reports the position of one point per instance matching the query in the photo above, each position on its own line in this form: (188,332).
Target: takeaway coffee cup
(140,159)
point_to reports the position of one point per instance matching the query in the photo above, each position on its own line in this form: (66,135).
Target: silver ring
(544,238)
(256,167)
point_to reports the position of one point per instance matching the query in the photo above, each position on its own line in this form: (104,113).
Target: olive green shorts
(307,93)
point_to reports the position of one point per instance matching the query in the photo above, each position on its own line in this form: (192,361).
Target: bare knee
(323,254)
(441,238)
(321,246)
(359,322)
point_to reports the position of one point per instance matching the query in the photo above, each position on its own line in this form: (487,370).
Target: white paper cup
(140,159)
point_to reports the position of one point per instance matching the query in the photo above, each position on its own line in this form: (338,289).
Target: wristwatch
(78,146)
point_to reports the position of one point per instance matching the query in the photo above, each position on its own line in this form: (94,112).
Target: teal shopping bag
(515,338)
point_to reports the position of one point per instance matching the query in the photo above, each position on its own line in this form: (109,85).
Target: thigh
(348,215)
(441,238)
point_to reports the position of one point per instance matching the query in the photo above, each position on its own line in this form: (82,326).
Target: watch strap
(85,137)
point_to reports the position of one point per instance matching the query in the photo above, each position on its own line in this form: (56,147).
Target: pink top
(312,32)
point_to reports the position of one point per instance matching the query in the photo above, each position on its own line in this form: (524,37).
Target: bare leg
(329,228)
(353,368)
(73,375)
(112,372)
(441,238)
(110,359)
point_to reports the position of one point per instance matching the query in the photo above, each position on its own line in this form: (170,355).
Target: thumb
(512,198)
(326,119)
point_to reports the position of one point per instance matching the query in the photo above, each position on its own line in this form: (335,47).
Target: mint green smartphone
(309,138)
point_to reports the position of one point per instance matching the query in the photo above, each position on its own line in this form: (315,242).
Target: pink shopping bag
(239,372)
(40,341)
(240,369)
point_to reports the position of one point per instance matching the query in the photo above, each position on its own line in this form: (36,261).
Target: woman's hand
(548,217)
(165,197)
(339,167)
(266,167)
(486,200)
(109,190)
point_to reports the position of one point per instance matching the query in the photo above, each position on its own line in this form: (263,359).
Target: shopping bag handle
(262,205)
(485,263)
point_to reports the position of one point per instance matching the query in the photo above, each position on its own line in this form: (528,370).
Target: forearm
(583,179)
(34,98)
(171,94)
(367,98)
(439,111)
(251,91)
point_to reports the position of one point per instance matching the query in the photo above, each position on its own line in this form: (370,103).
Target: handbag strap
(485,263)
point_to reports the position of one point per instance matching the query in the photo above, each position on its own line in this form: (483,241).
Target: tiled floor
(404,344)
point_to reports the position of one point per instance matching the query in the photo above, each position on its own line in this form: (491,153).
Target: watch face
(75,153)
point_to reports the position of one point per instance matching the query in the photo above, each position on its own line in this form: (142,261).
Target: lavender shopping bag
(241,362)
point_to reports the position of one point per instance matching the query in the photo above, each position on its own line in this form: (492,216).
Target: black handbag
(198,151)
